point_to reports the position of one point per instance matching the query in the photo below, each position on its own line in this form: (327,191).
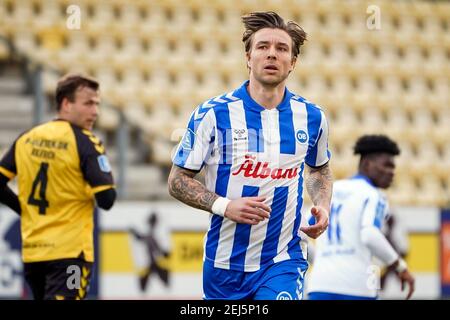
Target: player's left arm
(7,196)
(374,211)
(7,172)
(106,198)
(319,184)
(96,168)
(319,180)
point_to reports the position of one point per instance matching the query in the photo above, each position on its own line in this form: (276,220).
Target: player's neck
(268,97)
(61,115)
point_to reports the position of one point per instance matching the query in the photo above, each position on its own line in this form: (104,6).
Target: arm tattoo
(185,188)
(319,184)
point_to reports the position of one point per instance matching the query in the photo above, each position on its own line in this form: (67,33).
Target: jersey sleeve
(318,152)
(374,211)
(8,163)
(197,142)
(94,163)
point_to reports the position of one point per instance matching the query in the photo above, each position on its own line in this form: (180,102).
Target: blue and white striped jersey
(342,262)
(247,150)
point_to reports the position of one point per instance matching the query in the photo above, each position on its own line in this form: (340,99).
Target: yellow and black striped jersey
(59,168)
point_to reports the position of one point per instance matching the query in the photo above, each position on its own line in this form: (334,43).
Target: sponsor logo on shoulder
(103,162)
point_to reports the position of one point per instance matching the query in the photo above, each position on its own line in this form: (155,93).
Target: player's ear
(293,62)
(65,105)
(247,56)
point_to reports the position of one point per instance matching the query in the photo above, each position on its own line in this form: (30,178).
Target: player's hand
(407,278)
(321,216)
(248,210)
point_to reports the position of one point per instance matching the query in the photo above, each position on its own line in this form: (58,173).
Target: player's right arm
(184,187)
(7,172)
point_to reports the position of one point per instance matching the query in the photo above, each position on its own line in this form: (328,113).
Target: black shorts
(65,279)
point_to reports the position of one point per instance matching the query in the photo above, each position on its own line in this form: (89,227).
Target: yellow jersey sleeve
(93,160)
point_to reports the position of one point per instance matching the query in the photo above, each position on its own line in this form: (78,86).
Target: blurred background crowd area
(378,66)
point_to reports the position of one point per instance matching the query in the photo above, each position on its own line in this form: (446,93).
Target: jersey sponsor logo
(188,140)
(250,169)
(104,163)
(284,295)
(239,135)
(301,136)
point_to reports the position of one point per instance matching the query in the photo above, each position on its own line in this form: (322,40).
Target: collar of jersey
(72,124)
(363,177)
(252,104)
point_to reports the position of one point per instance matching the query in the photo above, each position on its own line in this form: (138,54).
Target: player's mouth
(271,67)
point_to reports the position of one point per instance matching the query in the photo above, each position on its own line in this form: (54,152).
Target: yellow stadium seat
(363,56)
(21,11)
(106,77)
(155,21)
(431,192)
(181,21)
(24,40)
(130,13)
(50,14)
(159,50)
(441,90)
(412,57)
(437,58)
(403,190)
(372,119)
(130,51)
(388,57)
(49,81)
(396,120)
(108,120)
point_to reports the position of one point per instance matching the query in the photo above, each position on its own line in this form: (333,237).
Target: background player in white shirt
(343,266)
(253,144)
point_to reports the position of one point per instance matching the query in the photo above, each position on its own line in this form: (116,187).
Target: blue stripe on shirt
(287,134)
(270,245)
(255,133)
(242,235)
(294,248)
(314,120)
(379,214)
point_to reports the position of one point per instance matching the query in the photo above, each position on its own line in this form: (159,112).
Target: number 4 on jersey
(41,179)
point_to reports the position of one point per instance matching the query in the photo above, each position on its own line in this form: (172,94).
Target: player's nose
(271,52)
